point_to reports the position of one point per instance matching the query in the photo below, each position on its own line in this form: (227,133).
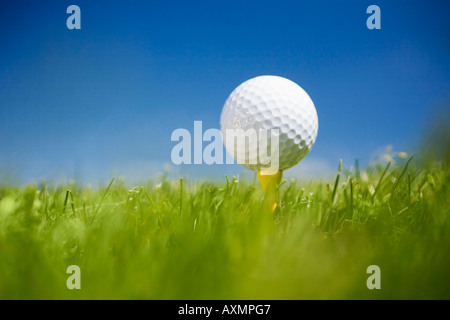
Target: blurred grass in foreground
(218,244)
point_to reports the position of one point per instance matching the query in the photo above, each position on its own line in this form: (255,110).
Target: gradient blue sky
(105,99)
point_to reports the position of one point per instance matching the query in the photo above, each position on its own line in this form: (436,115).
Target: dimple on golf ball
(270,102)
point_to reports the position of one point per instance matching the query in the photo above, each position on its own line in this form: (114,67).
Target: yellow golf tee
(269,183)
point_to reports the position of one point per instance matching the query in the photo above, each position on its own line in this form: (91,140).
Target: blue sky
(104,100)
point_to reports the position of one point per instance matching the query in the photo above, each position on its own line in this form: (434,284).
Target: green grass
(181,239)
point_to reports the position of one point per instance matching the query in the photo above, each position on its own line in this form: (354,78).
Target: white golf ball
(270,102)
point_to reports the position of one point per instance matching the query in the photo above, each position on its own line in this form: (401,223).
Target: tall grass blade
(104,196)
(394,188)
(336,183)
(65,201)
(381,180)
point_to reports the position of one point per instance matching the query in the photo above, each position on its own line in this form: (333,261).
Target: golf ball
(270,102)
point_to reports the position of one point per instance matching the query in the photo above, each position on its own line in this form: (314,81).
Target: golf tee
(269,183)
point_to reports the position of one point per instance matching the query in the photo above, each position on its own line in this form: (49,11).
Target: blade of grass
(336,183)
(84,213)
(148,196)
(181,197)
(381,180)
(357,171)
(409,187)
(228,184)
(72,204)
(351,201)
(65,201)
(400,177)
(104,196)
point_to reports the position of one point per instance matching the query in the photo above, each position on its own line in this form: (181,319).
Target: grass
(180,239)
